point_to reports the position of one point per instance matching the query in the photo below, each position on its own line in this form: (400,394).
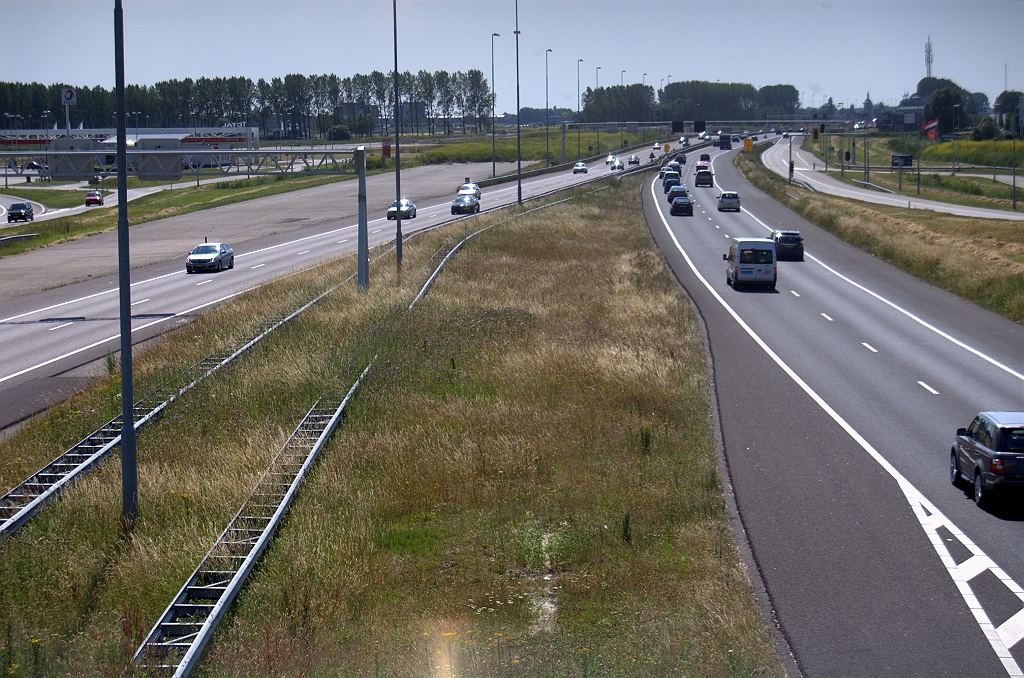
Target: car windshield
(755,256)
(19,206)
(209,249)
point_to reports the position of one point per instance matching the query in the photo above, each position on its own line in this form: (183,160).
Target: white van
(751,261)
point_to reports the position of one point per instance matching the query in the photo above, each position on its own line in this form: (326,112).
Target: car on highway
(788,244)
(470,189)
(407,211)
(677,191)
(579,168)
(729,200)
(716,143)
(466,204)
(664,168)
(682,206)
(670,174)
(210,256)
(785,135)
(704,178)
(610,159)
(656,147)
(20,211)
(93,198)
(705,157)
(990,454)
(634,160)
(683,141)
(674,166)
(751,261)
(671,179)
(617,164)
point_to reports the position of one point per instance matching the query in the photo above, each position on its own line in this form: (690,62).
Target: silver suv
(729,200)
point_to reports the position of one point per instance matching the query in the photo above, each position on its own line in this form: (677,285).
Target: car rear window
(1013,440)
(790,239)
(752,256)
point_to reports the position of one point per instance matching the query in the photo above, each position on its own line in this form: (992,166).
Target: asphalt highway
(48,335)
(838,396)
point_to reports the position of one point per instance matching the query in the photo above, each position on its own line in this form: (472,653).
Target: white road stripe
(258,265)
(825,316)
(869,347)
(928,514)
(205,282)
(59,326)
(794,293)
(928,388)
(301,253)
(140,301)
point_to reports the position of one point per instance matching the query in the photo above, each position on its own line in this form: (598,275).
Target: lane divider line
(869,347)
(1001,638)
(928,388)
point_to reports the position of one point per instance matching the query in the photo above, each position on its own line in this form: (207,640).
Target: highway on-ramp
(805,169)
(838,396)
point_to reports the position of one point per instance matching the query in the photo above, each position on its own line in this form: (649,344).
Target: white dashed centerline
(794,293)
(59,326)
(301,253)
(869,347)
(258,265)
(341,241)
(825,316)
(140,301)
(204,283)
(928,388)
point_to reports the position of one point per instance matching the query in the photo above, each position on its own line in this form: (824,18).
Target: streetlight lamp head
(495,35)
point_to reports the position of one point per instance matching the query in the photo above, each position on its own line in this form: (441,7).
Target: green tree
(943,105)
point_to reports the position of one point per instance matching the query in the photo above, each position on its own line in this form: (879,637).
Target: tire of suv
(954,469)
(980,495)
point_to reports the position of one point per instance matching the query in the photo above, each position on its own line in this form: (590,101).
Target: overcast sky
(838,48)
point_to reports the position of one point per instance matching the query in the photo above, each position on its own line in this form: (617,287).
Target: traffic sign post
(69,97)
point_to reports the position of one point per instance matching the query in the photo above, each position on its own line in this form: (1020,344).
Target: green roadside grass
(979,260)
(525,484)
(533,147)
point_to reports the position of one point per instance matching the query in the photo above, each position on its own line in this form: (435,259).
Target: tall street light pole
(642,136)
(578,121)
(398,151)
(519,144)
(622,77)
(547,111)
(493,166)
(129,465)
(597,86)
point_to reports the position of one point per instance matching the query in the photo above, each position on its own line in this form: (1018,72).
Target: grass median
(979,260)
(525,485)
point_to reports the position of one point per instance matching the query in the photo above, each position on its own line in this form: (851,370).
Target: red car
(93,198)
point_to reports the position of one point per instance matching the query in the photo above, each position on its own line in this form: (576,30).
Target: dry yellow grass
(526,483)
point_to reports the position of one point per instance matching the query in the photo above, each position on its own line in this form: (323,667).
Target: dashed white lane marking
(341,241)
(259,265)
(869,347)
(140,301)
(826,317)
(930,390)
(377,231)
(307,251)
(59,326)
(717,226)
(1000,638)
(205,282)
(794,293)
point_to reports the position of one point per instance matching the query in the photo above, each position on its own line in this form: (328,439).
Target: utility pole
(519,141)
(547,111)
(493,166)
(398,152)
(597,86)
(578,121)
(129,464)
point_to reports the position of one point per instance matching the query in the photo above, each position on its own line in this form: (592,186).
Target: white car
(729,200)
(580,167)
(470,189)
(610,159)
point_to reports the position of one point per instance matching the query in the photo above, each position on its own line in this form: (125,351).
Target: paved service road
(777,159)
(47,334)
(838,397)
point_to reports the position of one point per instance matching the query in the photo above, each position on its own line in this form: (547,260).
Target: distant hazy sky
(838,48)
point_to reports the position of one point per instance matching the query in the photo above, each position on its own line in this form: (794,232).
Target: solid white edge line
(928,515)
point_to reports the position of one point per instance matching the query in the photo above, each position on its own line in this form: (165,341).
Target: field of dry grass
(526,484)
(980,260)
